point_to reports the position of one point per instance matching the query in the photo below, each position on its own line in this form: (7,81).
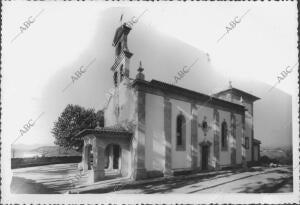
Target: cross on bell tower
(230,84)
(140,74)
(120,67)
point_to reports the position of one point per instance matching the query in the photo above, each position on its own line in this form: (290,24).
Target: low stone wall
(31,162)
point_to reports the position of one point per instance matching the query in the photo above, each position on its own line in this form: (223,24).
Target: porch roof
(112,130)
(256,141)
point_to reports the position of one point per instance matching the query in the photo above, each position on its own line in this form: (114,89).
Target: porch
(106,153)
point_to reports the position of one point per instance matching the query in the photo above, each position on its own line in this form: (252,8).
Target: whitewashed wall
(155,139)
(255,150)
(125,97)
(181,159)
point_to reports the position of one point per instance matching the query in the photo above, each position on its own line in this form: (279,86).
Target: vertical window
(204,125)
(216,121)
(121,73)
(116,79)
(224,135)
(233,126)
(247,142)
(216,115)
(180,132)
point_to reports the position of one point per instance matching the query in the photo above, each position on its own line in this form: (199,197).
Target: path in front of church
(266,180)
(60,178)
(48,179)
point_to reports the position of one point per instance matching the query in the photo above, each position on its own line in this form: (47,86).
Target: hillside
(281,154)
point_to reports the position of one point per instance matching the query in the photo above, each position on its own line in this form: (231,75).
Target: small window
(233,126)
(216,117)
(180,132)
(204,125)
(247,142)
(116,79)
(224,135)
(121,73)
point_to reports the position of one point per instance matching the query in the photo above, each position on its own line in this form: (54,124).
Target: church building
(154,129)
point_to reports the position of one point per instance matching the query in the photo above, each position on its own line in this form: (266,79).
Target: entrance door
(116,156)
(112,157)
(205,152)
(233,156)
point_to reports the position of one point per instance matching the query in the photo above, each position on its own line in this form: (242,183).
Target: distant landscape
(28,151)
(282,155)
(38,155)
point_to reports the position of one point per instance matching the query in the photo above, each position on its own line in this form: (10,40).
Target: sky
(39,63)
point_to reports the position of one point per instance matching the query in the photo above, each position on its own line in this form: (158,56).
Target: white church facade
(154,129)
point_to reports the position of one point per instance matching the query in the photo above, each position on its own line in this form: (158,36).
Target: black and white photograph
(149,102)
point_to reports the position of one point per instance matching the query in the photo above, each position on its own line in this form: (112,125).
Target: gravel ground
(60,178)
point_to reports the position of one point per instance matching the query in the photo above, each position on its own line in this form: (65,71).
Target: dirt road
(61,177)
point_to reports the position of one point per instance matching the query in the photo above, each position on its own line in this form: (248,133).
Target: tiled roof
(187,93)
(252,97)
(112,130)
(255,141)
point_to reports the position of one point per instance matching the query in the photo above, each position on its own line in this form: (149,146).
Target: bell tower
(120,67)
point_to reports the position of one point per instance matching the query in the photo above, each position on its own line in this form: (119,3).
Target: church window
(116,79)
(121,73)
(247,142)
(233,126)
(224,135)
(180,132)
(216,117)
(204,125)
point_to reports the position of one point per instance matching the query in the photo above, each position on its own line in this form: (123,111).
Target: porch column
(99,159)
(110,157)
(85,155)
(84,158)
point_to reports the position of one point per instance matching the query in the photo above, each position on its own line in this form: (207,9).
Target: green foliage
(73,120)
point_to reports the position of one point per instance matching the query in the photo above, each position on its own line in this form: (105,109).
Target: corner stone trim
(217,139)
(194,138)
(168,136)
(140,171)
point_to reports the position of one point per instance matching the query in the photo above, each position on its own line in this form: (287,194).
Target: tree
(74,119)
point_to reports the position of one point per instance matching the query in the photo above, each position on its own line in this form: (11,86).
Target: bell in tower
(120,67)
